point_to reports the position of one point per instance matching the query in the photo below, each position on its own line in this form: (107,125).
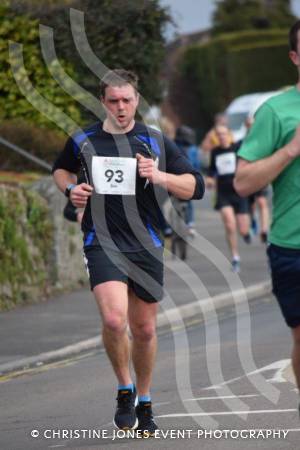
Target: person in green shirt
(270,154)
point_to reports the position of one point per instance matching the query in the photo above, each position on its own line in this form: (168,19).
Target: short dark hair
(293,36)
(118,77)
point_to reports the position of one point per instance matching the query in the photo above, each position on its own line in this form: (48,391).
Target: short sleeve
(211,172)
(178,164)
(264,136)
(68,159)
(176,160)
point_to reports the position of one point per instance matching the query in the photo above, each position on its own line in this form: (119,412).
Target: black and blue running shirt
(132,222)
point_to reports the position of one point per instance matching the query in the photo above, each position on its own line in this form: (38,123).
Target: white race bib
(114,175)
(226,163)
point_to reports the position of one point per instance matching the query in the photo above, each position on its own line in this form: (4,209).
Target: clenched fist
(79,195)
(147,168)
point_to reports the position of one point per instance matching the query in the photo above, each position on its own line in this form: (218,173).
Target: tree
(13,104)
(234,15)
(122,34)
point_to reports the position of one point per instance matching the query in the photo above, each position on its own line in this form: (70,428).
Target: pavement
(70,323)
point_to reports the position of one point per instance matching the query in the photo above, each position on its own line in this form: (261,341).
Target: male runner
(270,154)
(232,207)
(126,165)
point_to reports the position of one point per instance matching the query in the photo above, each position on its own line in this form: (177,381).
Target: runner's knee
(244,229)
(230,226)
(114,323)
(144,332)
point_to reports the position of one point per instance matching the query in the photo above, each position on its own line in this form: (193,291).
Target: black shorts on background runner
(261,193)
(239,204)
(112,265)
(224,173)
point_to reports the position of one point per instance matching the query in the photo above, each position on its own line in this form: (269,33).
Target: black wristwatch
(68,189)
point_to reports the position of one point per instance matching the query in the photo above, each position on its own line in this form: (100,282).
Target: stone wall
(67,267)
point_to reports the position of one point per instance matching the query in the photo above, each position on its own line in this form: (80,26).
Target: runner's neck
(109,127)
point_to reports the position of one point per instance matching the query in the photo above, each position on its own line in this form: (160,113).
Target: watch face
(68,189)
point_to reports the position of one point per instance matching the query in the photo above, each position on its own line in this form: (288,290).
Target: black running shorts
(262,193)
(239,204)
(108,265)
(285,269)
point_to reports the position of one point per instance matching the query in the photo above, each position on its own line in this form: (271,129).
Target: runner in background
(232,207)
(211,139)
(186,140)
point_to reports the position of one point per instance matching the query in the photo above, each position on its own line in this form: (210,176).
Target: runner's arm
(181,186)
(79,194)
(253,176)
(64,172)
(186,184)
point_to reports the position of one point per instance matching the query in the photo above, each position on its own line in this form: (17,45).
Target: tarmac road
(78,394)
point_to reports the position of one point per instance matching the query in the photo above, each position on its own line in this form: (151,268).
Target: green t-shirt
(274,126)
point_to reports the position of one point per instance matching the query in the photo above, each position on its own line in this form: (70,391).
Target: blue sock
(125,386)
(144,398)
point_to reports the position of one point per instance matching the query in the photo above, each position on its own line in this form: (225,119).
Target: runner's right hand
(79,195)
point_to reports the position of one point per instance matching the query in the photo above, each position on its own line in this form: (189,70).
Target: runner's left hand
(148,169)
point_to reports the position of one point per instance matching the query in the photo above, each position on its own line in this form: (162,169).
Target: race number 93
(117,176)
(114,175)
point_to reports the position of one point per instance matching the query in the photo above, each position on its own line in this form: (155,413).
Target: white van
(241,108)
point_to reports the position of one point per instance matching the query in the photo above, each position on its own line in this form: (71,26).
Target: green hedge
(25,244)
(40,142)
(231,65)
(13,104)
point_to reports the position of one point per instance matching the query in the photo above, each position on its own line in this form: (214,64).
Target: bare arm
(253,176)
(79,195)
(207,145)
(63,178)
(181,186)
(210,182)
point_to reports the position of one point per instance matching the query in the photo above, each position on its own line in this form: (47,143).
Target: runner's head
(224,136)
(294,40)
(119,96)
(221,119)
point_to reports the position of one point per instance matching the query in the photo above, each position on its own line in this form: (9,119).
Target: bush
(39,142)
(228,66)
(13,103)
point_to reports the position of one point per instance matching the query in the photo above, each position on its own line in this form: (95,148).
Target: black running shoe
(125,417)
(247,238)
(263,237)
(145,417)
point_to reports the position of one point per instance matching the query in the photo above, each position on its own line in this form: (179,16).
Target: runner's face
(224,137)
(120,103)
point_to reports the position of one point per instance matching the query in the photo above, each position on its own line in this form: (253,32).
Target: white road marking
(161,403)
(229,413)
(221,397)
(280,365)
